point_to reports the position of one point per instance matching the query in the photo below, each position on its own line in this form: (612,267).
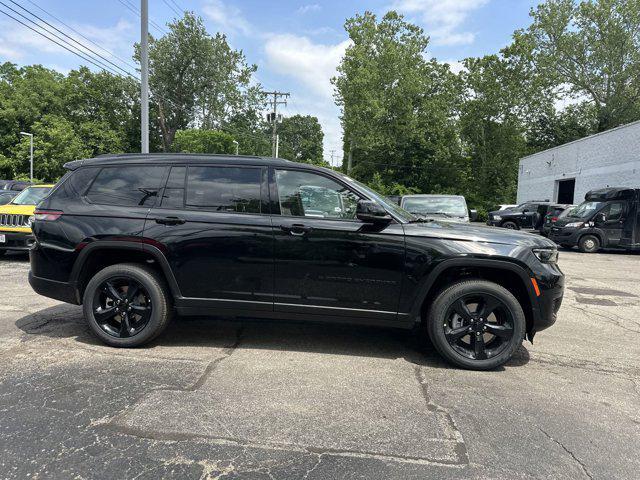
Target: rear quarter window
(75,184)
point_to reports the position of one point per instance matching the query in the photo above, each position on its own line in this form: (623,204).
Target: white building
(566,173)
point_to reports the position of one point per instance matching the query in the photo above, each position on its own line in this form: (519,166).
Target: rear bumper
(17,241)
(62,291)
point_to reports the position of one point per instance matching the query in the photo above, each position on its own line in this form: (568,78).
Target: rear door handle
(170,221)
(297,229)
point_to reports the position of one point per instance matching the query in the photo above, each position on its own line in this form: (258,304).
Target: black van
(608,218)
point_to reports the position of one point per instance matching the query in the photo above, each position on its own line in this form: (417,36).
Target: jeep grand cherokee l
(137,238)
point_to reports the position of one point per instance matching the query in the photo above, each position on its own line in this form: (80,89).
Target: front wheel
(589,244)
(510,225)
(476,324)
(126,305)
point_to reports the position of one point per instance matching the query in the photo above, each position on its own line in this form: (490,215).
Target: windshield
(31,196)
(402,214)
(451,206)
(585,209)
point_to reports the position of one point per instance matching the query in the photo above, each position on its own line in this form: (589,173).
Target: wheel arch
(100,254)
(511,276)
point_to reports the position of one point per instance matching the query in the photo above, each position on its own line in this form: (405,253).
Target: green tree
(590,49)
(398,108)
(203,141)
(197,79)
(301,139)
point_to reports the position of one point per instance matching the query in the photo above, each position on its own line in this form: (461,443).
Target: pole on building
(274,118)
(30,135)
(144,68)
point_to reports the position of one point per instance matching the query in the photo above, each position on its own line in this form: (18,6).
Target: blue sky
(295,44)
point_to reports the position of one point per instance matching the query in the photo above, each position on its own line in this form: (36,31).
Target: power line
(52,40)
(136,11)
(274,117)
(109,52)
(177,12)
(177,6)
(67,36)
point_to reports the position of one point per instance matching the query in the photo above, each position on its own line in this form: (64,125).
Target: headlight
(546,255)
(497,217)
(575,225)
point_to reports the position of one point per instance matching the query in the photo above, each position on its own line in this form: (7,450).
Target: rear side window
(225,189)
(126,186)
(173,195)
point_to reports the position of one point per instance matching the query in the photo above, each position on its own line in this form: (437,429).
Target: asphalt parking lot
(213,398)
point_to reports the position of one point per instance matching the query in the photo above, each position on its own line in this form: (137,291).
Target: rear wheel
(589,244)
(126,305)
(476,324)
(510,225)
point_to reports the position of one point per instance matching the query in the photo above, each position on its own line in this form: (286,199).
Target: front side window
(613,212)
(126,186)
(225,189)
(306,194)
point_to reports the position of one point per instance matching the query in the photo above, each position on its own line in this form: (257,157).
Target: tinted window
(615,212)
(126,186)
(173,196)
(76,184)
(225,189)
(305,194)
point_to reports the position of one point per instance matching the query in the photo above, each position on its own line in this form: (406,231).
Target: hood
(476,233)
(17,209)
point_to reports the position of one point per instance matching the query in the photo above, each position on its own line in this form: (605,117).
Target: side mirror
(473,215)
(369,211)
(601,218)
(525,210)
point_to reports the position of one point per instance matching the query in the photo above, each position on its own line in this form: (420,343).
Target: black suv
(137,238)
(527,216)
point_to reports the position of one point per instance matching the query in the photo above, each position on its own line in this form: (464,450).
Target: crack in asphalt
(571,454)
(461,447)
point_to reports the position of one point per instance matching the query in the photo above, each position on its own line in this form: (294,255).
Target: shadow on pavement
(67,321)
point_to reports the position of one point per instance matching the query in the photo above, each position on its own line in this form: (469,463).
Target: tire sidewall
(509,222)
(157,295)
(586,238)
(437,317)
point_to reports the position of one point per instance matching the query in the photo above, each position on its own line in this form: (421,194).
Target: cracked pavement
(215,398)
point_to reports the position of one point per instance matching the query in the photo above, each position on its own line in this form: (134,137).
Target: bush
(203,141)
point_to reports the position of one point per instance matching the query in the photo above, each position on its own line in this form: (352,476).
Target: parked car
(16,218)
(14,185)
(135,238)
(448,208)
(607,218)
(528,216)
(554,213)
(7,196)
(503,206)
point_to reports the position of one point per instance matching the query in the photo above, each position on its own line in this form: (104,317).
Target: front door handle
(170,221)
(297,229)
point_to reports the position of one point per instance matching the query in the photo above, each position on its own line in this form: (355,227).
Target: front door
(614,217)
(213,225)
(327,262)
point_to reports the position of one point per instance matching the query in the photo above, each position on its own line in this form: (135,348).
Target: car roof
(169,158)
(416,195)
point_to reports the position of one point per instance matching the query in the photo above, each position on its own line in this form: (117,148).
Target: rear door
(615,215)
(213,225)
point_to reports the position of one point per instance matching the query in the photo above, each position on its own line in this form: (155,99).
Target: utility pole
(273,117)
(144,69)
(237,145)
(30,135)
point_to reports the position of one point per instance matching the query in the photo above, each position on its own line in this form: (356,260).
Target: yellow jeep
(16,218)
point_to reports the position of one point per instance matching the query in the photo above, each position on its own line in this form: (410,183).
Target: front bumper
(545,313)
(18,241)
(565,236)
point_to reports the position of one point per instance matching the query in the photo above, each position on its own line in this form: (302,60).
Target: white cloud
(313,65)
(455,66)
(442,18)
(228,18)
(313,7)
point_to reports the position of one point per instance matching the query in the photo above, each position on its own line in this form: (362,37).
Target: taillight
(554,219)
(47,215)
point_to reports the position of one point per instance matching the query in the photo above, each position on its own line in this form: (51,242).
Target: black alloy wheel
(122,307)
(476,324)
(127,305)
(510,225)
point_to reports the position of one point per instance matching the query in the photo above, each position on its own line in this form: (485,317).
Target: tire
(2,253)
(589,244)
(510,225)
(566,246)
(509,312)
(152,300)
